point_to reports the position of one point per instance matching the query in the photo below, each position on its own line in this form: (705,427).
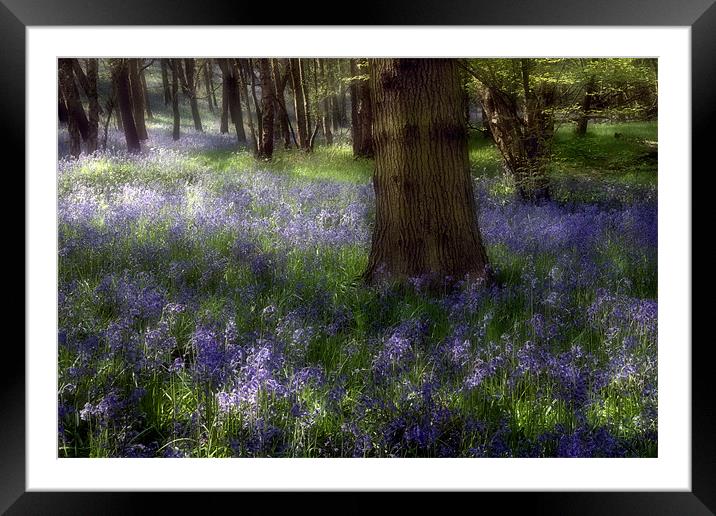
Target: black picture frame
(700,15)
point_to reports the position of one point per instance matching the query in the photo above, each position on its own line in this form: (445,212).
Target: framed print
(430,272)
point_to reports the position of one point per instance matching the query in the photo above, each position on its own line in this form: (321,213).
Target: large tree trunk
(78,126)
(426,218)
(268,100)
(361,115)
(135,85)
(299,105)
(175,65)
(120,76)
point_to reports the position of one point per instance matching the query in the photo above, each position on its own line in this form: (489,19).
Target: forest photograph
(309,257)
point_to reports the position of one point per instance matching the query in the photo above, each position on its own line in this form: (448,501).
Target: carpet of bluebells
(218,312)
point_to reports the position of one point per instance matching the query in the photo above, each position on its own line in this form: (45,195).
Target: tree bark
(268,100)
(77,125)
(62,114)
(120,76)
(88,81)
(189,88)
(335,92)
(280,81)
(523,150)
(135,86)
(94,108)
(237,116)
(342,97)
(299,105)
(110,106)
(249,69)
(207,84)
(231,99)
(306,98)
(145,95)
(486,131)
(325,106)
(426,217)
(165,82)
(245,89)
(361,115)
(353,89)
(583,121)
(224,125)
(175,65)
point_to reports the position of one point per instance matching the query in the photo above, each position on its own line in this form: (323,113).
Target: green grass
(334,163)
(629,158)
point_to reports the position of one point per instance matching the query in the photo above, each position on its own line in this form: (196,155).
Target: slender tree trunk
(326,108)
(342,97)
(210,65)
(189,87)
(135,86)
(145,95)
(306,97)
(426,217)
(207,84)
(62,114)
(117,110)
(111,102)
(175,65)
(165,82)
(583,121)
(362,115)
(88,81)
(224,126)
(355,121)
(299,105)
(280,81)
(249,68)
(268,101)
(94,108)
(232,98)
(237,116)
(120,75)
(250,121)
(334,99)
